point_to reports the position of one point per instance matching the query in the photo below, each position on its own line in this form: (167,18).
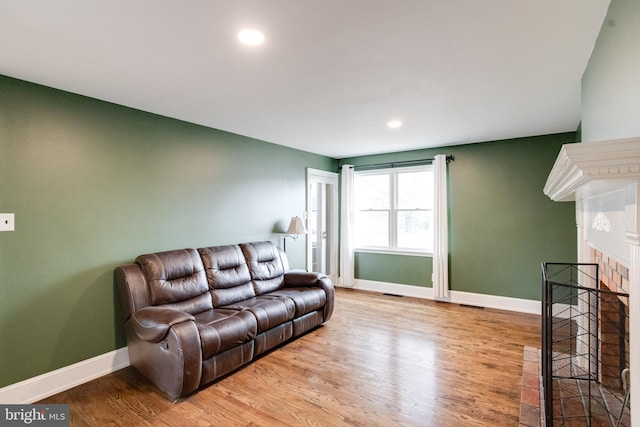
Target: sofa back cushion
(227,274)
(266,266)
(177,280)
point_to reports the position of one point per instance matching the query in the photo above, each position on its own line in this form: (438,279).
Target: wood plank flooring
(380,361)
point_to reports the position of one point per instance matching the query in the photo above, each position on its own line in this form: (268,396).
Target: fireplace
(603,178)
(584,347)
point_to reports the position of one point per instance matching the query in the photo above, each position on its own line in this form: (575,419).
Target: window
(394,209)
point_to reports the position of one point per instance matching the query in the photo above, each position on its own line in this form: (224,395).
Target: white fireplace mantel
(603,178)
(590,162)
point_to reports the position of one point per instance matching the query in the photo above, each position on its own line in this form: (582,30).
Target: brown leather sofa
(192,316)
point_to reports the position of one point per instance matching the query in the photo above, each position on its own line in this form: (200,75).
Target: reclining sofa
(194,315)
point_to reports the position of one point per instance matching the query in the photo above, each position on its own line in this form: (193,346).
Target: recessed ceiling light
(394,124)
(251,37)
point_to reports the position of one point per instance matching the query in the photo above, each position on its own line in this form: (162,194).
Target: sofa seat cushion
(221,330)
(269,311)
(305,299)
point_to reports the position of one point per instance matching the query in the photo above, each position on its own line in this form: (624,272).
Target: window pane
(415,230)
(372,228)
(415,190)
(314,190)
(371,191)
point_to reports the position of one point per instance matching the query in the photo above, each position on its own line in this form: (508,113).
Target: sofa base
(307,322)
(273,337)
(223,363)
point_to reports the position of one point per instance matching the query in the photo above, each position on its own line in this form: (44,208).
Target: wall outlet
(7,222)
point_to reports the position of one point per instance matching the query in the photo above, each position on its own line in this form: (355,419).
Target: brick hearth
(530,413)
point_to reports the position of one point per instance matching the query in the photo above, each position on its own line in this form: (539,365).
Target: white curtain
(347,262)
(441,229)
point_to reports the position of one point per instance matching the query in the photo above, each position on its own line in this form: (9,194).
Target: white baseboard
(457,297)
(45,385)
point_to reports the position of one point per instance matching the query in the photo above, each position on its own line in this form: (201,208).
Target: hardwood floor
(380,361)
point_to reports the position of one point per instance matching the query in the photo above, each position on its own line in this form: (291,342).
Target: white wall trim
(457,297)
(50,383)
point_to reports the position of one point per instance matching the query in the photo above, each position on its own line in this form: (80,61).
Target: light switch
(7,221)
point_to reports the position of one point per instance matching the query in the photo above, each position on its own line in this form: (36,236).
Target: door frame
(325,177)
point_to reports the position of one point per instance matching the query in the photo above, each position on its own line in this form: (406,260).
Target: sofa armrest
(301,278)
(295,278)
(152,323)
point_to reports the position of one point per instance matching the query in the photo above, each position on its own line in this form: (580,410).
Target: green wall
(502,226)
(407,270)
(92,186)
(610,84)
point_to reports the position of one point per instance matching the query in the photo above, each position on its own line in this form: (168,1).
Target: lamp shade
(296,226)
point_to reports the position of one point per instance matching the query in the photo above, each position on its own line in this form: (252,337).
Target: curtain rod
(405,163)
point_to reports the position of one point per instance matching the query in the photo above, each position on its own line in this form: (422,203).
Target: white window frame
(393,212)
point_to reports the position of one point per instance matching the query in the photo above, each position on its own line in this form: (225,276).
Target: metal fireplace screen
(584,348)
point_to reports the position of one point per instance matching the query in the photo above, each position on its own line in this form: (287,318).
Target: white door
(322,222)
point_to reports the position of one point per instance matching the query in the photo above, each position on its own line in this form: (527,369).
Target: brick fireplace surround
(614,277)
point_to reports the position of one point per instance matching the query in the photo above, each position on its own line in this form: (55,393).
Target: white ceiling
(330,74)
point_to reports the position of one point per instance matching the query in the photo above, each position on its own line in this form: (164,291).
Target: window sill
(394,252)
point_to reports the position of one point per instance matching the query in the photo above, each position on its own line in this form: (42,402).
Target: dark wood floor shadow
(380,361)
